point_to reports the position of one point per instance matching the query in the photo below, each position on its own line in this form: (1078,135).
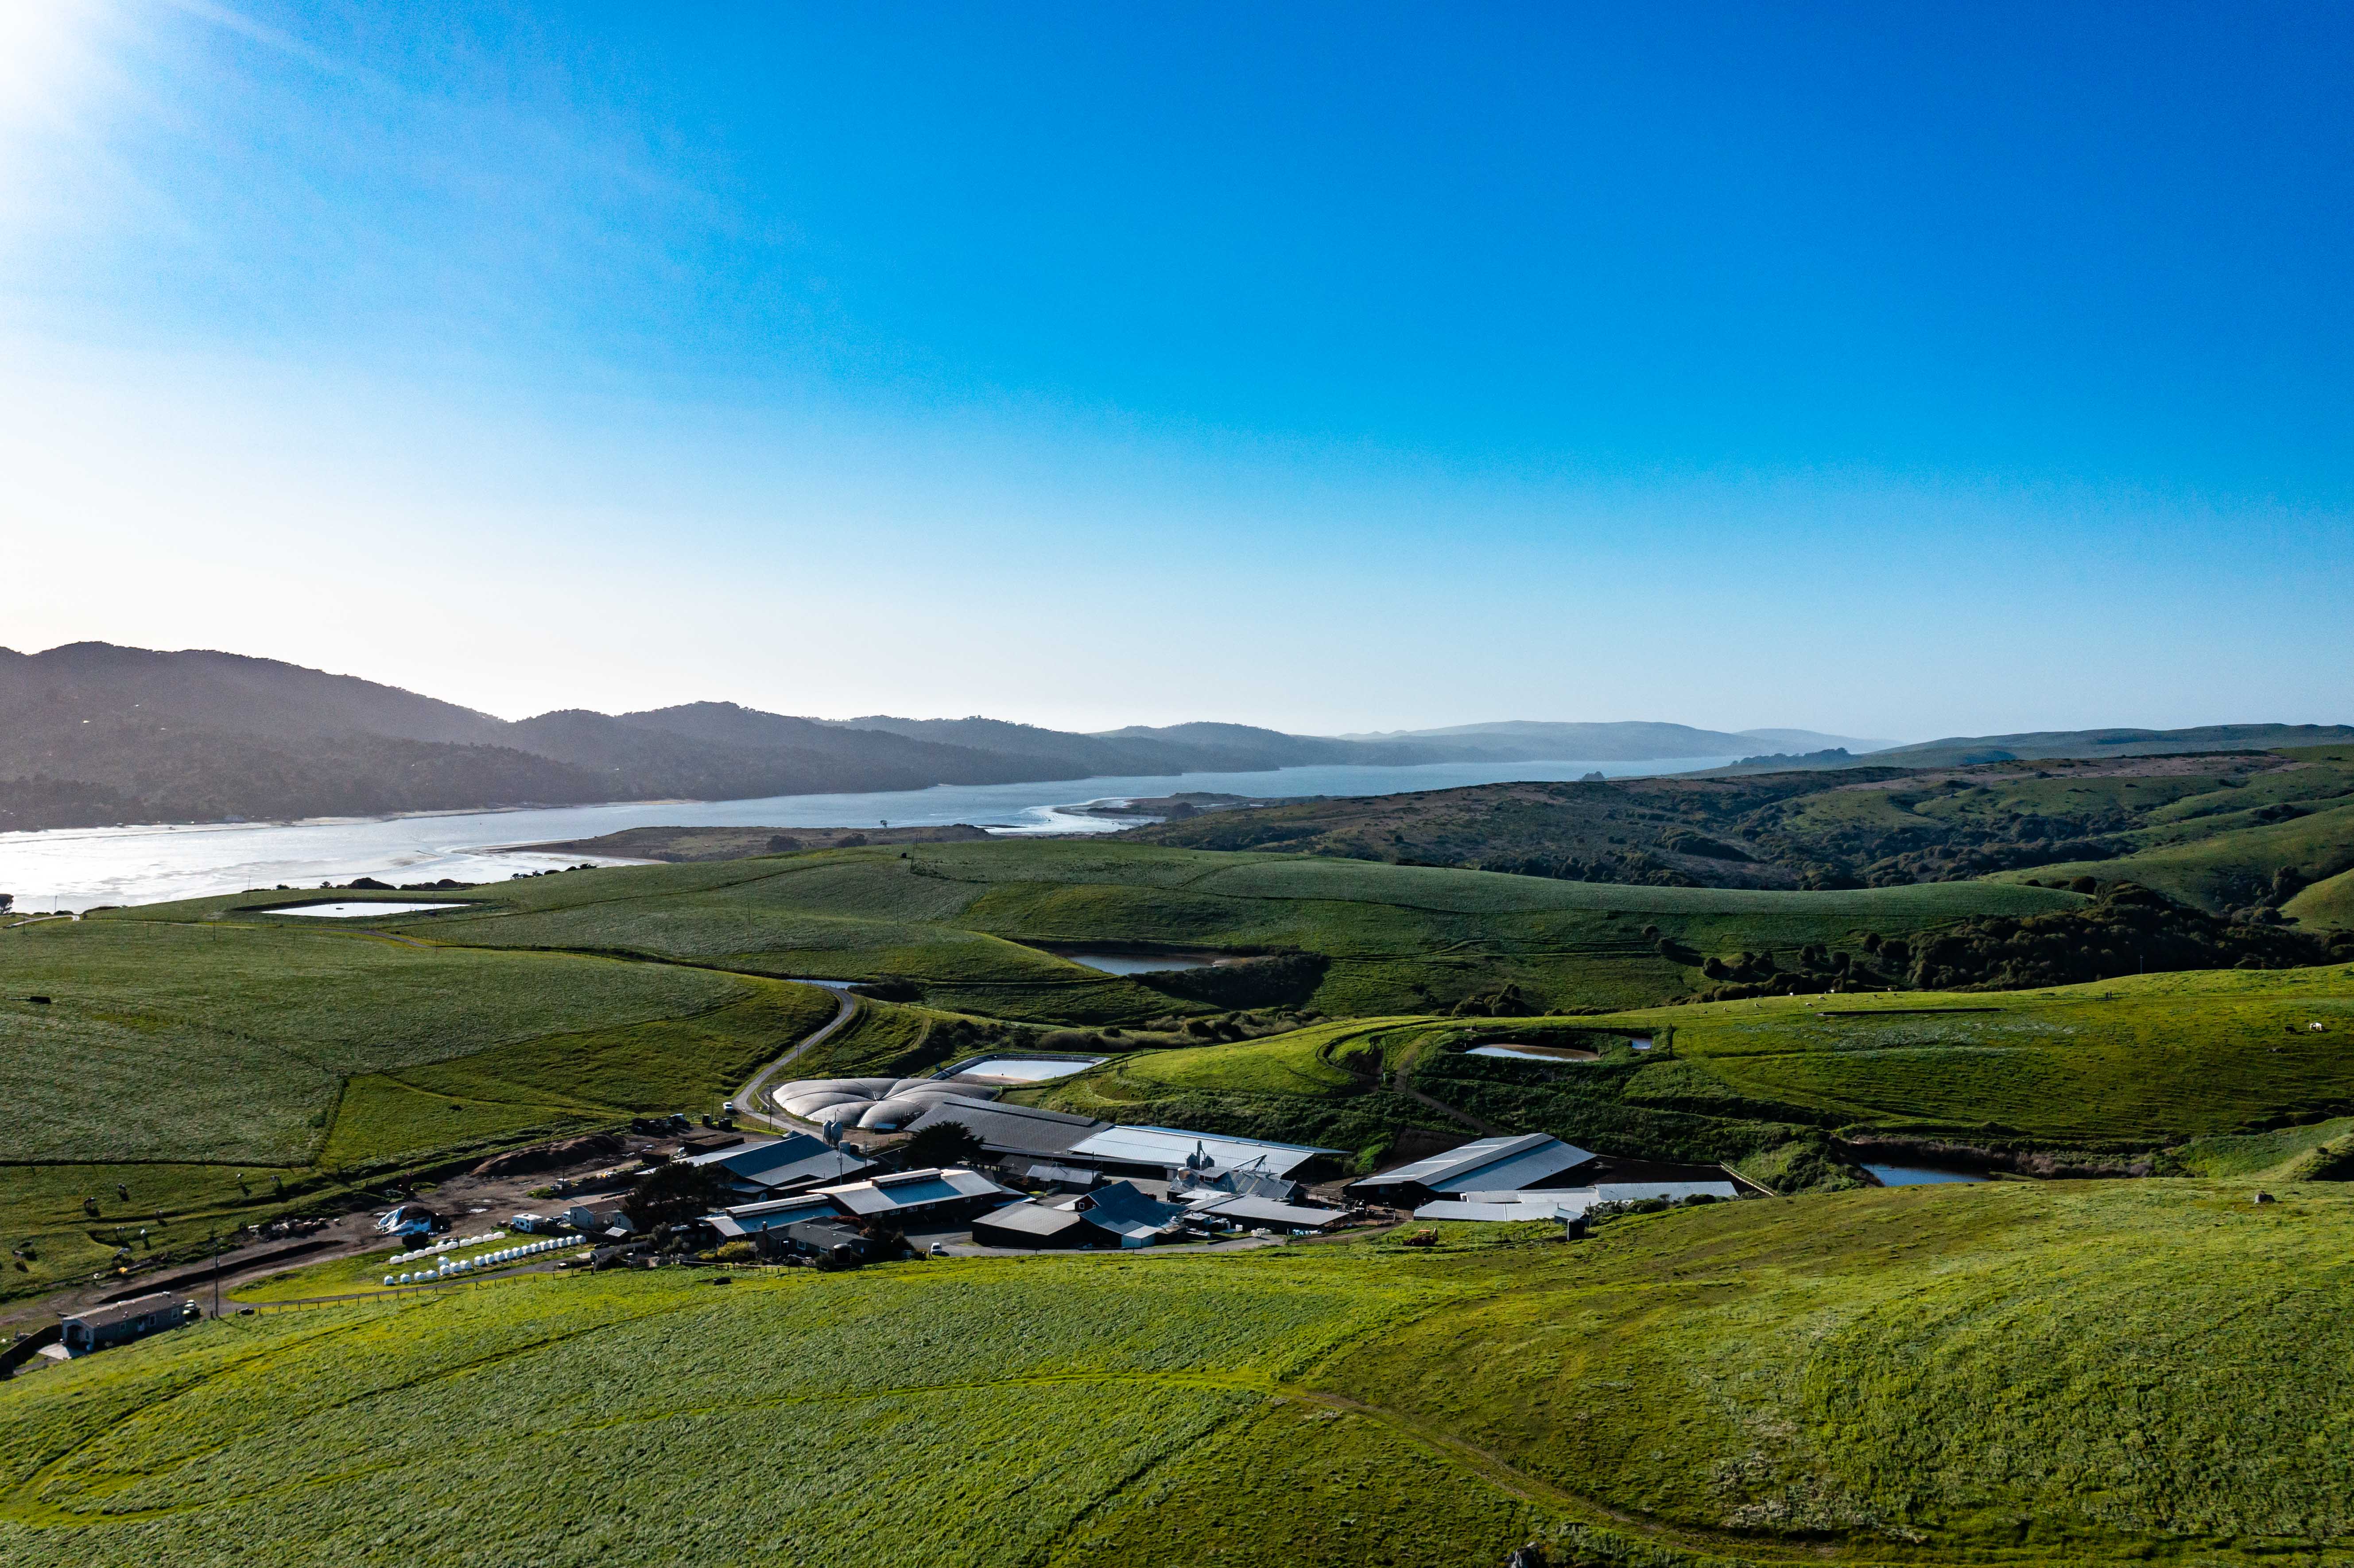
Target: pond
(1533,1053)
(1027,1069)
(1118,963)
(360,909)
(1920,1175)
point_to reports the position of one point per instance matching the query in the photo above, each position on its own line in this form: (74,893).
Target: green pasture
(172,1057)
(2137,1063)
(968,923)
(2007,1373)
(225,1042)
(2329,903)
(2127,1067)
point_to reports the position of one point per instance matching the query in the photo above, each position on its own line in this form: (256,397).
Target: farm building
(872,1104)
(1489,1165)
(610,1223)
(1073,1178)
(1166,1150)
(751,1220)
(1013,1130)
(785,1164)
(1117,1215)
(1031,1225)
(830,1241)
(917,1195)
(1567,1203)
(99,1328)
(1209,1178)
(1255,1212)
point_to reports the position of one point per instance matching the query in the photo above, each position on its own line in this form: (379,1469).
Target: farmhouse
(1491,1164)
(102,1327)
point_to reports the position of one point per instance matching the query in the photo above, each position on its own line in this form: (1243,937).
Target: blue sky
(1894,372)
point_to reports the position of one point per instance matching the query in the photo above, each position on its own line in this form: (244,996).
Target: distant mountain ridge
(1622,741)
(93,734)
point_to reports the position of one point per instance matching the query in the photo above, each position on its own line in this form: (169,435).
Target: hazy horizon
(1328,370)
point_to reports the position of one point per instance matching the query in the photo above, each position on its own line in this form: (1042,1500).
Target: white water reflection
(75,868)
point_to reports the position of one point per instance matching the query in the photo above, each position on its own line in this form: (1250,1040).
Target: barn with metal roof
(783,1164)
(1157,1150)
(1488,1165)
(1006,1129)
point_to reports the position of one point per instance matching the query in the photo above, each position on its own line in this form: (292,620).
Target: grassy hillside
(2012,1373)
(2329,903)
(968,923)
(2122,1069)
(2130,1062)
(172,1058)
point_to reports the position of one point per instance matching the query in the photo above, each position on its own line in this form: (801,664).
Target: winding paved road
(751,1095)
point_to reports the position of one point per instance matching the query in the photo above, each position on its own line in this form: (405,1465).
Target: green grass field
(968,921)
(2012,1373)
(2141,1062)
(2125,1067)
(171,1058)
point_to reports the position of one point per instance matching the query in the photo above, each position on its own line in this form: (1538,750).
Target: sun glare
(42,57)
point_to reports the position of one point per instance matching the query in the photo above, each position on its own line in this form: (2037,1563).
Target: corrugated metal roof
(1562,1202)
(796,1158)
(1248,1210)
(911,1190)
(1169,1146)
(750,1219)
(125,1311)
(1676,1191)
(1490,1164)
(1551,1204)
(1029,1218)
(1013,1129)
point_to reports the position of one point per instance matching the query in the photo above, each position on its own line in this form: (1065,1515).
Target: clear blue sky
(1894,371)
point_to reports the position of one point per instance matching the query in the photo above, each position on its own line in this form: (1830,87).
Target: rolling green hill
(970,923)
(2109,1074)
(2222,832)
(2012,1373)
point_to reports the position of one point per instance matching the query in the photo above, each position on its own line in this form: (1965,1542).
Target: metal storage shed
(794,1160)
(1013,1129)
(1158,1149)
(1488,1165)
(1031,1225)
(930,1194)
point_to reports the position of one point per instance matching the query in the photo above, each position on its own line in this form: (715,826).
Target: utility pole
(214,1236)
